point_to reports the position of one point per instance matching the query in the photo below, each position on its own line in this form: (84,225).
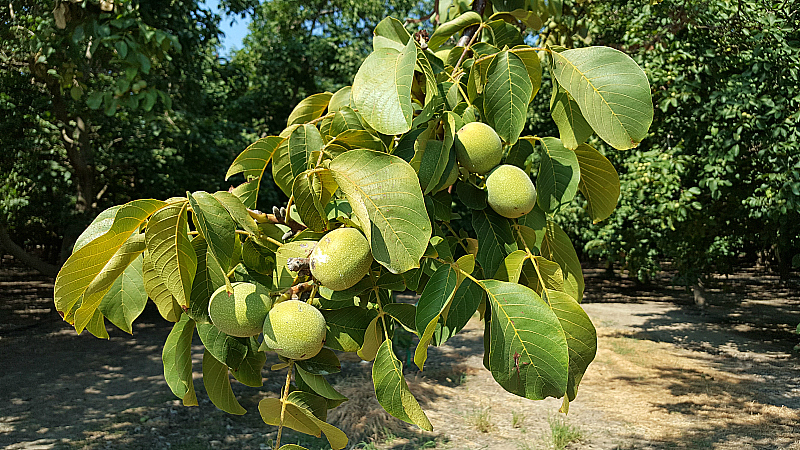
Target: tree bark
(24,257)
(478,6)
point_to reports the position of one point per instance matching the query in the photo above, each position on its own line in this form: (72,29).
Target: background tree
(718,177)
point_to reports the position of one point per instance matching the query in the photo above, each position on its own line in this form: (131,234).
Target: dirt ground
(667,375)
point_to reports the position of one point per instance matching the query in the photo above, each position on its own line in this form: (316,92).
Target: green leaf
(550,272)
(87,266)
(126,298)
(511,268)
(572,126)
(309,108)
(507,93)
(404,313)
(171,251)
(249,371)
(373,337)
(292,447)
(509,5)
(599,182)
(340,99)
(530,57)
(300,419)
(390,33)
(216,225)
(392,390)
(320,385)
(464,304)
(529,18)
(294,416)
(494,237)
(581,337)
(447,29)
(177,359)
(611,90)
(471,196)
(346,327)
(527,350)
(435,298)
(157,290)
(237,210)
(302,144)
(344,120)
(252,162)
(432,166)
(503,34)
(439,206)
(100,286)
(519,153)
(229,350)
(323,363)
(97,325)
(556,246)
(382,89)
(312,190)
(559,175)
(386,198)
(99,226)
(317,405)
(357,139)
(218,385)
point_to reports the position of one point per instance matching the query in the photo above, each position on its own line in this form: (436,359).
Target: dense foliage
(719,178)
(379,176)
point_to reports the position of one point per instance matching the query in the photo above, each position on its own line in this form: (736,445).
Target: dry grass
(686,398)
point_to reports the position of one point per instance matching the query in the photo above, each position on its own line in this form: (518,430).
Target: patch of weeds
(481,420)
(562,433)
(366,446)
(517,419)
(430,442)
(388,436)
(623,346)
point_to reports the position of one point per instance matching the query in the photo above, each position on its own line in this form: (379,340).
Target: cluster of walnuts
(295,329)
(510,190)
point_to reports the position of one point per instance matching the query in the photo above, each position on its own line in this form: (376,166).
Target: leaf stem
(274,241)
(313,294)
(460,241)
(530,255)
(321,118)
(283,404)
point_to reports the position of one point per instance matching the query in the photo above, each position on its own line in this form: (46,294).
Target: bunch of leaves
(719,178)
(376,156)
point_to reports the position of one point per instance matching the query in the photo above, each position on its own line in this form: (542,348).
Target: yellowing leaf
(170,250)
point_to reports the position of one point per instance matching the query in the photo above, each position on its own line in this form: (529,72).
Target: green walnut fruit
(341,258)
(510,191)
(242,313)
(295,330)
(478,147)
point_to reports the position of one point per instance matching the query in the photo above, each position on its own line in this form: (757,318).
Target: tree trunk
(699,294)
(24,257)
